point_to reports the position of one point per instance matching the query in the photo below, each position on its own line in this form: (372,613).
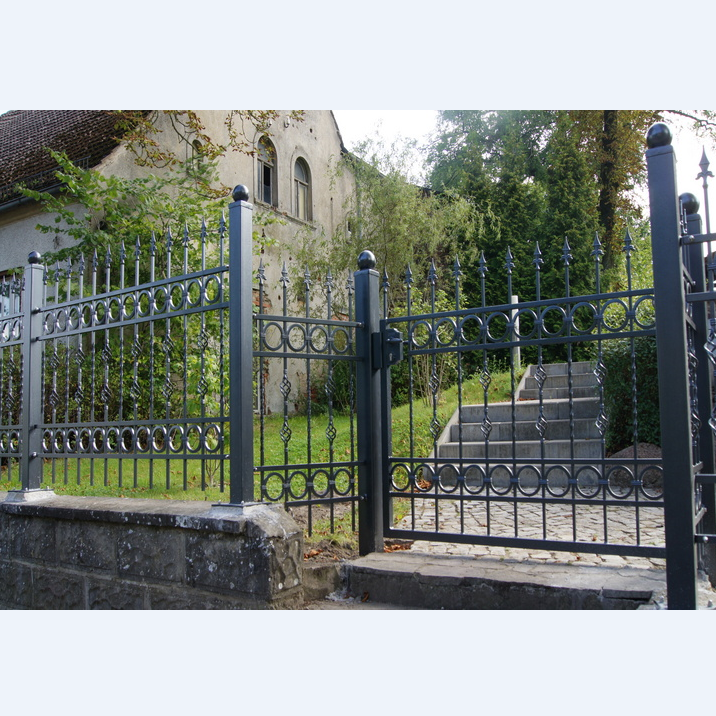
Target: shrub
(618,391)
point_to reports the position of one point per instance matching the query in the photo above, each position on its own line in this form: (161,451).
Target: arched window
(302,190)
(266,191)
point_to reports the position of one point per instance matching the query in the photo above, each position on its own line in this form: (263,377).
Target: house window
(302,189)
(267,172)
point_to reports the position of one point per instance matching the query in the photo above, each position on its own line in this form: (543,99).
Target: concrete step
(528,410)
(587,391)
(524,450)
(562,368)
(425,581)
(584,429)
(579,380)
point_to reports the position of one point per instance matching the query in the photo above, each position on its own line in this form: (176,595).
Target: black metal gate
(535,471)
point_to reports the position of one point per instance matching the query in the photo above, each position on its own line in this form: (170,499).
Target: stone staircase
(586,441)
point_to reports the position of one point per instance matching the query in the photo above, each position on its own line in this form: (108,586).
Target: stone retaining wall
(62,552)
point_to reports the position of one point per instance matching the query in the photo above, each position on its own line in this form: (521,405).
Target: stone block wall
(62,552)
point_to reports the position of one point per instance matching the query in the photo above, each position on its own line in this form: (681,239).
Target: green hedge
(618,393)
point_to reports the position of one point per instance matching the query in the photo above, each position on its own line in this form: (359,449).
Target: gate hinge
(387,348)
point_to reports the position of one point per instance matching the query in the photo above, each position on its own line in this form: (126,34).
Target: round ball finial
(35,257)
(659,135)
(689,203)
(240,193)
(366,260)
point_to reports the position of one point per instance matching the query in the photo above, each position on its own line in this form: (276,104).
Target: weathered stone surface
(151,553)
(87,545)
(57,589)
(32,538)
(115,594)
(16,584)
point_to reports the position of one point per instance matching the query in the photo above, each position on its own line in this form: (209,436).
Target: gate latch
(387,348)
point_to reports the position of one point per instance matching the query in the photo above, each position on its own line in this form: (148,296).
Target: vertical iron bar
(31,433)
(672,362)
(241,480)
(368,413)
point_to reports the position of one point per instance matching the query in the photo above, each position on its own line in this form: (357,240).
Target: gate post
(31,435)
(368,413)
(673,369)
(241,413)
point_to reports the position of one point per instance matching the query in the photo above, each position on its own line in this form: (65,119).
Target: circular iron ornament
(448,478)
(5,332)
(498,318)
(193,439)
(127,440)
(446,332)
(112,441)
(417,331)
(49,325)
(340,341)
(14,441)
(343,481)
(465,326)
(501,479)
(530,325)
(129,306)
(61,322)
(575,320)
(59,441)
(212,438)
(71,441)
(74,318)
(620,480)
(298,485)
(212,290)
(16,329)
(161,299)
(611,320)
(299,331)
(142,439)
(318,339)
(159,438)
(528,480)
(5,441)
(400,477)
(177,296)
(320,484)
(84,442)
(144,303)
(273,486)
(194,292)
(644,312)
(475,479)
(424,477)
(651,479)
(588,482)
(46,442)
(86,315)
(100,313)
(558,480)
(561,319)
(176,438)
(115,310)
(98,440)
(278,332)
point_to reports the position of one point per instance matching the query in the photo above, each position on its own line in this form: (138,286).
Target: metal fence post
(673,368)
(241,483)
(368,413)
(31,434)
